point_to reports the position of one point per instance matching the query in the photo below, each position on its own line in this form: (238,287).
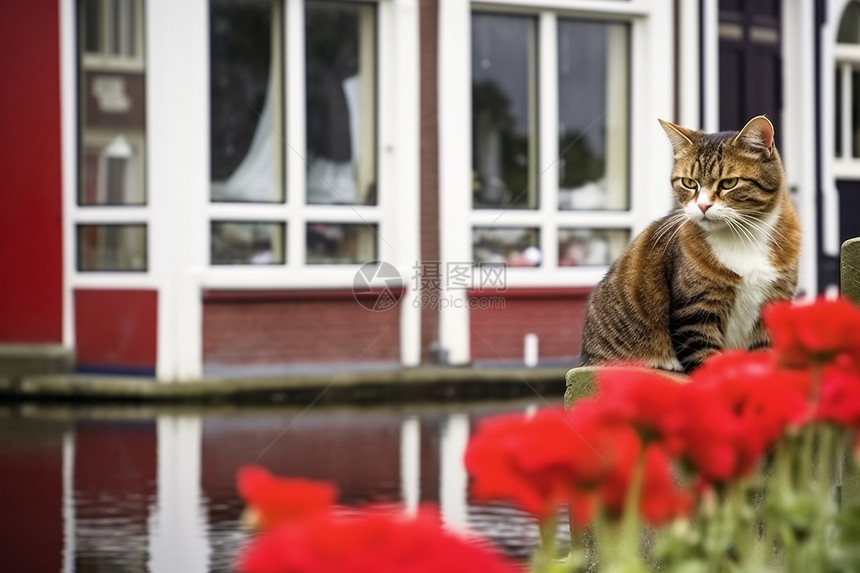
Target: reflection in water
(101,490)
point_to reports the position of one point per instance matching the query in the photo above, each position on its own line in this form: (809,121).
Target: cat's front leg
(759,339)
(696,337)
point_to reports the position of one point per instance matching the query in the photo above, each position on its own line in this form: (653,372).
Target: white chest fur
(747,254)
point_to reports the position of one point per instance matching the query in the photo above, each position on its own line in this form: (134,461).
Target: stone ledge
(431,384)
(17,360)
(580,381)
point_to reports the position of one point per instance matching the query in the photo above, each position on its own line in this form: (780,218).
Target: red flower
(803,334)
(272,500)
(536,462)
(683,418)
(660,500)
(839,396)
(371,542)
(762,400)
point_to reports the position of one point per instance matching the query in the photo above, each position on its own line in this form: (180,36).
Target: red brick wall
(294,328)
(555,315)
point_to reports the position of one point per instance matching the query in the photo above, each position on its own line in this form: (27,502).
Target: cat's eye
(690,184)
(728,183)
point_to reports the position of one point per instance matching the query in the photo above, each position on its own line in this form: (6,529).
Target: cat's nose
(704,206)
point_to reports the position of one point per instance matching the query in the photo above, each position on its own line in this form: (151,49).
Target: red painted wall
(289,328)
(31,263)
(116,329)
(555,315)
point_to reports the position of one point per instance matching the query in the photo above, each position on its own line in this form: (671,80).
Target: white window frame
(295,211)
(651,89)
(178,210)
(847,61)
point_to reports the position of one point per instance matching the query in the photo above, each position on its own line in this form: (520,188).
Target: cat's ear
(680,137)
(757,134)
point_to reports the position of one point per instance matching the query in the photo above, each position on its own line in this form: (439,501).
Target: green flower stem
(827,505)
(738,520)
(603,538)
(630,520)
(781,491)
(543,558)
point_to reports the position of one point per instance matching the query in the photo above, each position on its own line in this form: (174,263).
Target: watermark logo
(377,286)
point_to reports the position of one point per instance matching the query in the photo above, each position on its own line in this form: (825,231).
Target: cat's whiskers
(738,226)
(672,236)
(761,226)
(666,227)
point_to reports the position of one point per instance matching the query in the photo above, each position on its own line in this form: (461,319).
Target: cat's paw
(672,364)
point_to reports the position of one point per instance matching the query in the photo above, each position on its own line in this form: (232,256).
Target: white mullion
(247,212)
(358,214)
(110,214)
(69,138)
(847,119)
(455,173)
(596,219)
(548,155)
(256,277)
(295,145)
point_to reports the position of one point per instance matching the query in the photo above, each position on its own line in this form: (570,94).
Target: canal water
(104,489)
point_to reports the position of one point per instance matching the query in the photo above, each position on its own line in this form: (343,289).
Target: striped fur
(694,282)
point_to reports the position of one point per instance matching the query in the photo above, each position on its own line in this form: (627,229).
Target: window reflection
(593,79)
(246,101)
(341,243)
(514,247)
(341,102)
(112,247)
(112,103)
(504,117)
(584,247)
(246,243)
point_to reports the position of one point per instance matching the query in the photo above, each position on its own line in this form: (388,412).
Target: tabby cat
(695,281)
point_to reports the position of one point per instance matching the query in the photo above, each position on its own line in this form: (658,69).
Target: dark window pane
(341,102)
(849,25)
(112,247)
(582,247)
(246,103)
(504,116)
(593,74)
(837,108)
(92,26)
(514,246)
(855,113)
(338,243)
(247,243)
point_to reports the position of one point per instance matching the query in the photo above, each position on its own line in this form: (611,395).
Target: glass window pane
(583,247)
(112,247)
(246,101)
(247,243)
(340,243)
(515,247)
(504,116)
(112,110)
(341,102)
(849,25)
(837,108)
(855,113)
(593,74)
(92,24)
